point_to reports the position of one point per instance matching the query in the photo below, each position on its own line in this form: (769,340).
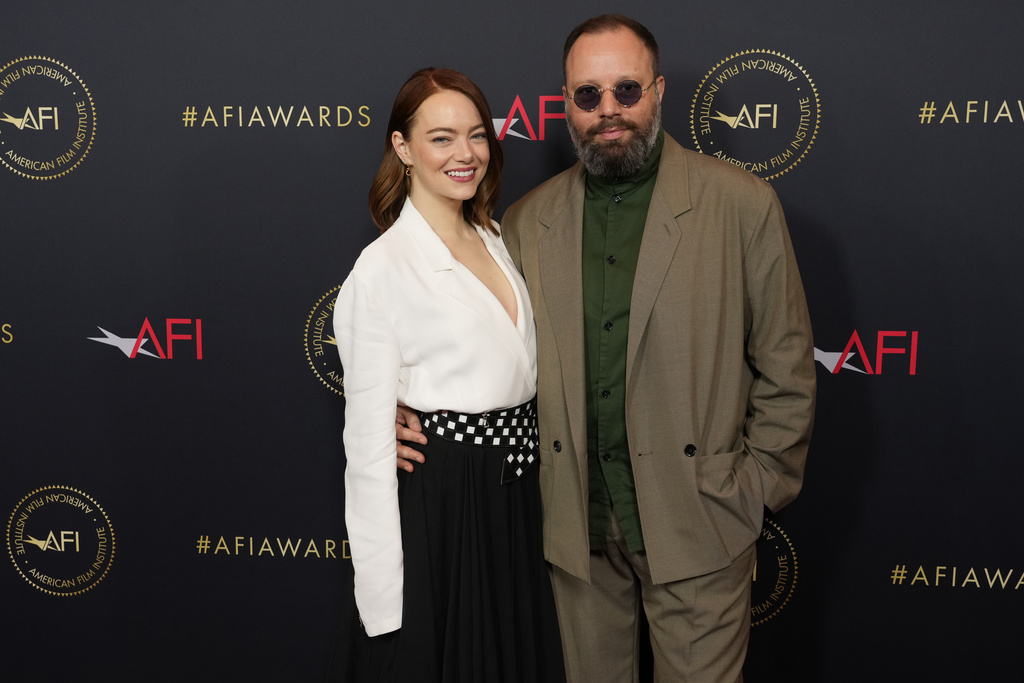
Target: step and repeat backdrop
(183,189)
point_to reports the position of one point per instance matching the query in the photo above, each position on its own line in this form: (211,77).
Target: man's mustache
(609,125)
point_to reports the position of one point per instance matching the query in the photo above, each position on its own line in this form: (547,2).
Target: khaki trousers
(699,627)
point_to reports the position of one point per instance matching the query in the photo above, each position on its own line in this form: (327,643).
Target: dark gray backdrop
(899,225)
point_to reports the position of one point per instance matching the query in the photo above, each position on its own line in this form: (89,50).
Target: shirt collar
(438,256)
(413,223)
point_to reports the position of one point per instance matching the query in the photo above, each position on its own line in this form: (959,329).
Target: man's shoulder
(541,196)
(707,173)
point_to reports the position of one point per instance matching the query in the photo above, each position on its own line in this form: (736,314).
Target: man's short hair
(606,23)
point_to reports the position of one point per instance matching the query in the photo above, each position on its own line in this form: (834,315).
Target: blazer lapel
(561,267)
(516,339)
(662,233)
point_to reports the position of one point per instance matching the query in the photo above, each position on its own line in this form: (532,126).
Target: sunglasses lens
(628,93)
(587,97)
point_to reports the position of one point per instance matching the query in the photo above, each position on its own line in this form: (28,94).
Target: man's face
(612,140)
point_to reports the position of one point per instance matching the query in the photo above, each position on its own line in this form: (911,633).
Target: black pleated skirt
(478,606)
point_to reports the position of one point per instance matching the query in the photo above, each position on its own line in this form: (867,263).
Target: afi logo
(68,541)
(177,329)
(504,126)
(34,121)
(889,343)
(762,112)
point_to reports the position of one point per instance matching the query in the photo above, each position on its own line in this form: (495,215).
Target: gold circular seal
(60,540)
(321,347)
(759,110)
(47,118)
(774,574)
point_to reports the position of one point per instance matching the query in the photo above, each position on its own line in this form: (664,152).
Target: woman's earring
(408,170)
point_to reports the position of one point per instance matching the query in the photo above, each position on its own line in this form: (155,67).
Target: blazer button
(690,450)
(557,446)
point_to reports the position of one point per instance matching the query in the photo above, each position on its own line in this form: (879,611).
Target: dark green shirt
(614,213)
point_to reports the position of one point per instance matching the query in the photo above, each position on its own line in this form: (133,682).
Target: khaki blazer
(720,379)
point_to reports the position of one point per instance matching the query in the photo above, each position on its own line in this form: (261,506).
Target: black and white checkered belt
(511,428)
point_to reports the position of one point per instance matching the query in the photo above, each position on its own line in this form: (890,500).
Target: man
(675,369)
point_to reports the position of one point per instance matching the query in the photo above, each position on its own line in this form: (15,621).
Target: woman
(450,580)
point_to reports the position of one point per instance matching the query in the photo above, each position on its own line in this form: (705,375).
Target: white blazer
(415,326)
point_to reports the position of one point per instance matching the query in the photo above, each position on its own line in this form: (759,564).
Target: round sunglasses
(627,93)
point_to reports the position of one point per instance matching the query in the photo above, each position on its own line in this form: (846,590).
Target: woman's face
(447,149)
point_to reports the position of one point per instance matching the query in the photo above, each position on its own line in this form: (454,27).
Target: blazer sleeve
(371,361)
(780,350)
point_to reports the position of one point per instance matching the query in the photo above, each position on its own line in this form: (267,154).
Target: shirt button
(690,450)
(611,259)
(608,327)
(557,446)
(607,457)
(605,393)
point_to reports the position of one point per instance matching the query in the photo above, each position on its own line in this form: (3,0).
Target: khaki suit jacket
(720,379)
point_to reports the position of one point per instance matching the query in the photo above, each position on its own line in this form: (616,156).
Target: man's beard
(616,159)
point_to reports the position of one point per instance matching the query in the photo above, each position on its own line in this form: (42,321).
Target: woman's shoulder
(391,246)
